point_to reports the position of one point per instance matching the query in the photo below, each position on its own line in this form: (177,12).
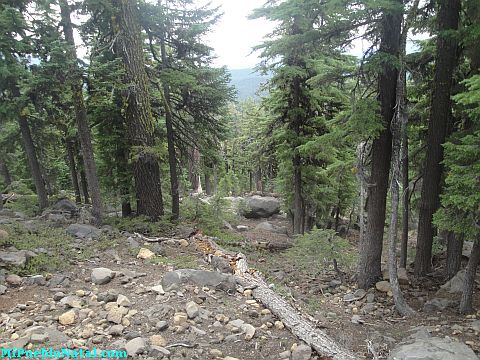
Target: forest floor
(65,309)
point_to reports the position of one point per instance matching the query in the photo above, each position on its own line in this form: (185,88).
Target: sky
(234,36)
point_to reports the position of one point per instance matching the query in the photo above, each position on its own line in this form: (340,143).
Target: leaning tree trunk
(369,266)
(33,162)
(405,197)
(172,158)
(83,181)
(73,169)
(440,113)
(81,116)
(399,124)
(139,117)
(454,254)
(471,270)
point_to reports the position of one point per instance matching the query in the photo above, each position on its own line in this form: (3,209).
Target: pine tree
(440,119)
(139,118)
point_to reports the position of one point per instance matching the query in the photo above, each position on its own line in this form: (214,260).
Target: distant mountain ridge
(247,82)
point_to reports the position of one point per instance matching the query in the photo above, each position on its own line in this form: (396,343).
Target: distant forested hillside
(247,82)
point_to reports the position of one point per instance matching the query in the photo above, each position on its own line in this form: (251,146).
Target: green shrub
(318,248)
(26,204)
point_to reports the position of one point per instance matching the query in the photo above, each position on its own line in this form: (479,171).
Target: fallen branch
(154,239)
(296,322)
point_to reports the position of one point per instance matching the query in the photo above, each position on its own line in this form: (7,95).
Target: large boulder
(65,205)
(433,349)
(213,279)
(267,226)
(455,284)
(260,207)
(13,258)
(84,231)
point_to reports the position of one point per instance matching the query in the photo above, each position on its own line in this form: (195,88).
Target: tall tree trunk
(298,212)
(73,169)
(172,159)
(471,270)
(7,178)
(405,198)
(454,254)
(81,116)
(440,113)
(124,179)
(139,118)
(208,184)
(369,268)
(399,124)
(250,180)
(83,180)
(33,161)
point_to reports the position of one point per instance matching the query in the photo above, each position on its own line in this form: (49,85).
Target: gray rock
(35,280)
(433,349)
(357,295)
(12,258)
(260,207)
(192,310)
(84,231)
(158,352)
(242,228)
(475,326)
(383,286)
(13,280)
(437,304)
(108,296)
(3,289)
(455,284)
(212,279)
(159,311)
(133,243)
(401,274)
(136,346)
(102,275)
(302,352)
(65,205)
(267,226)
(39,338)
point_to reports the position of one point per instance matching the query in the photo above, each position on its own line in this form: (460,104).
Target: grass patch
(54,241)
(178,262)
(141,224)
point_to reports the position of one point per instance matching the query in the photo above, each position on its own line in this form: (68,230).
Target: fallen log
(296,322)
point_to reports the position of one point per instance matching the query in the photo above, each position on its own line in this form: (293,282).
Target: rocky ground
(118,293)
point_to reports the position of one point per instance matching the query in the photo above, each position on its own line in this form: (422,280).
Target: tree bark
(73,169)
(470,272)
(208,184)
(33,161)
(7,178)
(298,213)
(81,116)
(139,118)
(454,254)
(172,159)
(369,269)
(83,180)
(124,179)
(440,113)
(405,197)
